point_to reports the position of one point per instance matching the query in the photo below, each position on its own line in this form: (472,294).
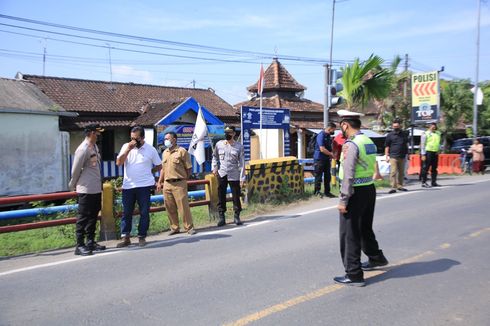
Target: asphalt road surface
(276,270)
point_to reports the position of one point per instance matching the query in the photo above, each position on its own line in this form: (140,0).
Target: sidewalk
(54,256)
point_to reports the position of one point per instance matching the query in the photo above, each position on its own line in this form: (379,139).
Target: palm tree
(365,81)
(396,104)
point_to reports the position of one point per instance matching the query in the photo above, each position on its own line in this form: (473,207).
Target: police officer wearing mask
(228,165)
(357,202)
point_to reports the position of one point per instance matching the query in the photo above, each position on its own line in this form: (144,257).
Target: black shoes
(94,246)
(371,264)
(402,189)
(392,191)
(83,251)
(236,218)
(345,280)
(221,219)
(435,184)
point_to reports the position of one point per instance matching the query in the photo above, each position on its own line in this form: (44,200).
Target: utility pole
(44,57)
(110,61)
(328,69)
(475,97)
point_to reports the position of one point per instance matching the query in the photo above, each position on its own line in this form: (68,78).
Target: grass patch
(34,241)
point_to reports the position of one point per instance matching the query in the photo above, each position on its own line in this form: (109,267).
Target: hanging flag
(260,84)
(196,147)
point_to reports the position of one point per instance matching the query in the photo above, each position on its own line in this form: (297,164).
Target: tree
(397,103)
(484,110)
(365,81)
(456,105)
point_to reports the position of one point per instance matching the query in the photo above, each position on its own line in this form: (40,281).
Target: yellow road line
(315,294)
(478,233)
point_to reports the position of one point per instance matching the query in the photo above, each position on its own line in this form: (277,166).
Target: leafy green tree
(456,105)
(484,110)
(365,81)
(397,103)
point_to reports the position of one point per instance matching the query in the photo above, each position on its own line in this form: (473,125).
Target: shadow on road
(272,217)
(186,240)
(416,269)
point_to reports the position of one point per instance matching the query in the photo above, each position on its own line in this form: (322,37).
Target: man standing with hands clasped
(396,150)
(176,170)
(140,161)
(357,202)
(87,182)
(229,166)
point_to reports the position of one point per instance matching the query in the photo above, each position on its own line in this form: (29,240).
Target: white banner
(196,147)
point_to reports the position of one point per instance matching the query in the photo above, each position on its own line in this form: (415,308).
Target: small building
(34,152)
(115,106)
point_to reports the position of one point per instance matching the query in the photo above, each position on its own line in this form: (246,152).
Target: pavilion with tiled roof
(281,90)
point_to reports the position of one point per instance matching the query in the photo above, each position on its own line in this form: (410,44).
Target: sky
(221,44)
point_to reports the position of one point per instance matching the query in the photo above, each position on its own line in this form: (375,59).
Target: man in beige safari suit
(176,169)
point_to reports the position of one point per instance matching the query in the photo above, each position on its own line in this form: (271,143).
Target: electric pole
(475,97)
(328,68)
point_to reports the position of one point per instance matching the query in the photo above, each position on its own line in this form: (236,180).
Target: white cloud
(128,73)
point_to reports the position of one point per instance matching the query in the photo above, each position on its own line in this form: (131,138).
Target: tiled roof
(80,123)
(277,78)
(24,95)
(100,96)
(293,103)
(153,112)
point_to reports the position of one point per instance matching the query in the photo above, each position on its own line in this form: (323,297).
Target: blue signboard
(185,132)
(271,119)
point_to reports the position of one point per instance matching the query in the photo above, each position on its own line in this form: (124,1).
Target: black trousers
(235,193)
(431,161)
(322,170)
(89,206)
(356,231)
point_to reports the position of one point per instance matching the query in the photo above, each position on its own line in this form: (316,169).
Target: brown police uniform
(175,164)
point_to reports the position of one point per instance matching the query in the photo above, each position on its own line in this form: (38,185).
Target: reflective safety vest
(432,141)
(365,165)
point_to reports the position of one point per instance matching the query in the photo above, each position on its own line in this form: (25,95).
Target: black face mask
(332,133)
(396,129)
(228,136)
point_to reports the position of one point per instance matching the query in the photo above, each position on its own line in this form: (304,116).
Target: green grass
(38,240)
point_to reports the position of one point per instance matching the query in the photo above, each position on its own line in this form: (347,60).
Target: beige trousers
(397,172)
(177,203)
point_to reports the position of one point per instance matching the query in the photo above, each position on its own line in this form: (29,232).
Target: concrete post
(107,222)
(211,190)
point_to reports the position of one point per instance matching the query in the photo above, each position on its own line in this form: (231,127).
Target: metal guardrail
(33,212)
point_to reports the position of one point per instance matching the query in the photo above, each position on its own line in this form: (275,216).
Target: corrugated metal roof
(21,95)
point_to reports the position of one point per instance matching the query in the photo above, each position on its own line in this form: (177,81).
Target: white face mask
(168,143)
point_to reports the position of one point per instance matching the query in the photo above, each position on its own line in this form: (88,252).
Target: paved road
(276,270)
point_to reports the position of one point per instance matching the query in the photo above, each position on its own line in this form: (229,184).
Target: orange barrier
(414,164)
(448,164)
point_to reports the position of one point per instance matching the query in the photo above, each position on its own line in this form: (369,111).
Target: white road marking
(244,227)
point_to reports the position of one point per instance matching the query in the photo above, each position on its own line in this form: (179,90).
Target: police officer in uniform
(430,143)
(87,182)
(229,166)
(357,202)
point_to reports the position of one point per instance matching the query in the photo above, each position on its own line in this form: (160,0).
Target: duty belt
(173,180)
(358,181)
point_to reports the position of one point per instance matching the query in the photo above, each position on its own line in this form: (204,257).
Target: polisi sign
(425,97)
